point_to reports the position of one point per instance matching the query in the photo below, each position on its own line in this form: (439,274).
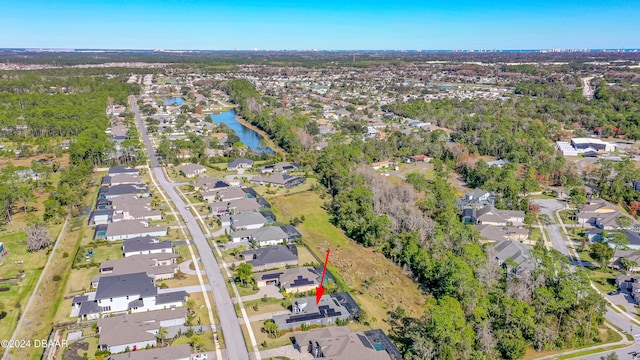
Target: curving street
(232,333)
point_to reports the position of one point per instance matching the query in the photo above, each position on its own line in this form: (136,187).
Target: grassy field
(205,340)
(271,343)
(352,262)
(16,298)
(201,308)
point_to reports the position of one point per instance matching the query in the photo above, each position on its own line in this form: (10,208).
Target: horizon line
(160,50)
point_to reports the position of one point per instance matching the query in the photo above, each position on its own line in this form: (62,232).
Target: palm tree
(271,328)
(162,334)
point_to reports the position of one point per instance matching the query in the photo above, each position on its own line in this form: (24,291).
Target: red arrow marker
(320,289)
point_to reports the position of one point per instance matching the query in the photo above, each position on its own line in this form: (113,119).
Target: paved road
(233,338)
(549,206)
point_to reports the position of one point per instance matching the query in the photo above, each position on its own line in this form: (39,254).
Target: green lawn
(272,343)
(604,281)
(17,260)
(205,340)
(263,307)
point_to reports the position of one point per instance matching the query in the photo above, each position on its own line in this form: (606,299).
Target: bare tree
(37,238)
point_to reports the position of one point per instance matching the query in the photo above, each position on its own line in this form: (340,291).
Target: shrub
(56,277)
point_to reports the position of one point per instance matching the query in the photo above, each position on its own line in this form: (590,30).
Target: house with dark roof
(121,179)
(239,163)
(514,256)
(291,231)
(339,343)
(304,311)
(278,179)
(281,167)
(137,331)
(118,170)
(125,293)
(272,257)
(269,216)
(292,280)
(146,245)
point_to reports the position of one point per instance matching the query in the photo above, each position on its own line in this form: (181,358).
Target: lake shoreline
(267,139)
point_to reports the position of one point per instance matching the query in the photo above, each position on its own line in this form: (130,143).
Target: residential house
(247,221)
(587,144)
(272,257)
(118,170)
(192,170)
(630,283)
(226,195)
(477,195)
(125,293)
(489,215)
(100,217)
(417,158)
(134,332)
(603,215)
(498,163)
(222,137)
(134,208)
(175,352)
(130,229)
(209,183)
(304,311)
(293,280)
(139,190)
(513,255)
(146,245)
(628,255)
(636,185)
(269,235)
(121,179)
(281,167)
(291,231)
(235,206)
(339,343)
(279,179)
(160,266)
(269,216)
(239,163)
(383,164)
(499,233)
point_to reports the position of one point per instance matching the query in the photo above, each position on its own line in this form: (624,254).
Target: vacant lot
(388,285)
(27,268)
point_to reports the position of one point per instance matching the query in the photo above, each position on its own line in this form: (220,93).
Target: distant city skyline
(326,25)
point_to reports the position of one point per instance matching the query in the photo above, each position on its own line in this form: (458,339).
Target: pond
(252,139)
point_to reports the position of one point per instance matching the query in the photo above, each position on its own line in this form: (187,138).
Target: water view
(173,100)
(248,137)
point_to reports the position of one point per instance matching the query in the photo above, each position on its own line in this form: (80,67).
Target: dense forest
(38,109)
(476,308)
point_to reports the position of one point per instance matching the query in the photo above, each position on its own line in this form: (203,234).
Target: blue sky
(328,24)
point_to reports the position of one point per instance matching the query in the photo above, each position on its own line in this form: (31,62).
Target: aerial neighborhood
(312,204)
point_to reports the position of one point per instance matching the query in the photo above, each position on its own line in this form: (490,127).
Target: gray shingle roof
(146,243)
(271,255)
(125,285)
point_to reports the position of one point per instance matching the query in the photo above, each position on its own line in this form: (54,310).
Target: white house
(137,331)
(125,293)
(265,236)
(146,245)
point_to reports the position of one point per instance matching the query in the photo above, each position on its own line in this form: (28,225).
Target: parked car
(615,292)
(202,356)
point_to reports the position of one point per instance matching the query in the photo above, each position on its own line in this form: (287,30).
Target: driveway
(271,291)
(288,351)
